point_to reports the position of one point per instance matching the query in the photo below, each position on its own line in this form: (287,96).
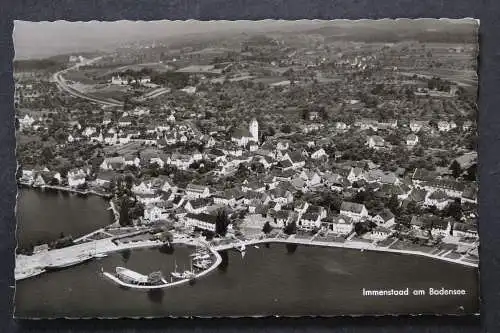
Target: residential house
(438,198)
(105,178)
(355,174)
(340,125)
(113,163)
(385,218)
(310,220)
(411,140)
(149,198)
(464,230)
(194,191)
(155,213)
(296,159)
(282,217)
(375,142)
(445,126)
(378,233)
(353,210)
(339,224)
(76,180)
(451,187)
(201,221)
(318,154)
(143,188)
(418,125)
(198,205)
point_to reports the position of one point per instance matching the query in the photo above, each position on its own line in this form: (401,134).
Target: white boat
(202,257)
(242,248)
(129,276)
(256,246)
(175,274)
(100,255)
(189,275)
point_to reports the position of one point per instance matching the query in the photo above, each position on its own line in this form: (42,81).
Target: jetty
(216,263)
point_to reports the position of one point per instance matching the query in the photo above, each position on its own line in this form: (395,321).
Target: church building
(243,136)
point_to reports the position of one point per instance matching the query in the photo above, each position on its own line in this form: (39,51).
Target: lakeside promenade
(38,263)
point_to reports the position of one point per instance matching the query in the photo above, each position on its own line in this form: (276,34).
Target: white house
(320,153)
(88,131)
(378,233)
(438,199)
(375,142)
(75,180)
(202,221)
(154,213)
(444,126)
(194,191)
(340,225)
(353,210)
(340,125)
(113,163)
(411,140)
(26,122)
(416,125)
(310,220)
(464,230)
(355,174)
(143,188)
(385,218)
(197,205)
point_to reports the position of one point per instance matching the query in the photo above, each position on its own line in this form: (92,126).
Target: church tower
(254,129)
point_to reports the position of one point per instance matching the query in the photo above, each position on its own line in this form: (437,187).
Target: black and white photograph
(246,168)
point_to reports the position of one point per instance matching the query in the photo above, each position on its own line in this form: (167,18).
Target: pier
(217,262)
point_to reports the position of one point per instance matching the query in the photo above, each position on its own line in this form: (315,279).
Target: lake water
(274,280)
(43,215)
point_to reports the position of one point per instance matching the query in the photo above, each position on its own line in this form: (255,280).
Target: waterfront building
(201,221)
(353,210)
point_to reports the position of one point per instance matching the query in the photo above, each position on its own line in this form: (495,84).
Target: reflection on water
(156,295)
(312,281)
(266,281)
(291,248)
(225,261)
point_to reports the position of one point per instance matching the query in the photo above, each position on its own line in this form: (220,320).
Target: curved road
(63,85)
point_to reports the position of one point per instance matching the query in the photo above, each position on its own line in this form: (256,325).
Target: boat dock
(217,262)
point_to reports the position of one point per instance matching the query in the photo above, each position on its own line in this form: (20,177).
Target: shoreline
(110,247)
(36,267)
(350,246)
(65,189)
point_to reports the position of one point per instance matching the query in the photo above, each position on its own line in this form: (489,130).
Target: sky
(45,39)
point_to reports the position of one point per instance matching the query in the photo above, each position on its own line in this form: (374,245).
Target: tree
(393,203)
(455,169)
(124,219)
(455,209)
(47,155)
(221,222)
(471,173)
(291,228)
(286,128)
(267,228)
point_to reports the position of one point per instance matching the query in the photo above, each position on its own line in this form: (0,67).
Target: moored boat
(132,277)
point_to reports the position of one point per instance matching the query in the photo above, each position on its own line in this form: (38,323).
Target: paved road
(63,85)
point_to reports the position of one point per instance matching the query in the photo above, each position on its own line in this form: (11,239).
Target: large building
(243,136)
